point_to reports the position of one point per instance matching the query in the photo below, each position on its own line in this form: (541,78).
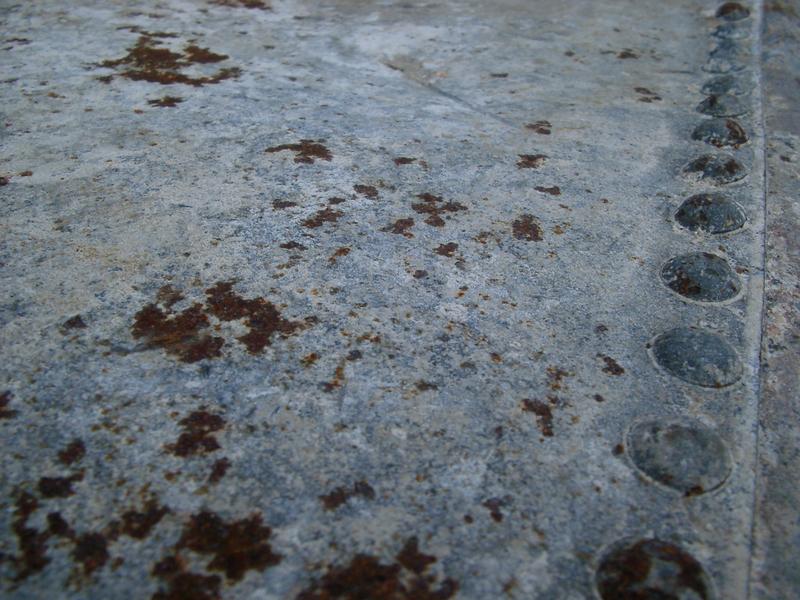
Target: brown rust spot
(336,382)
(91,550)
(184,585)
(446,249)
(292,245)
(553,190)
(494,505)
(148,61)
(365,577)
(612,367)
(57,526)
(58,487)
(73,452)
(178,334)
(544,415)
(166,101)
(306,151)
(414,560)
(339,495)
(309,359)
(434,207)
(281,204)
(259,4)
(196,54)
(555,378)
(138,524)
(218,470)
(343,251)
(260,316)
(647,95)
(369,191)
(541,127)
(531,161)
(197,437)
(527,228)
(326,215)
(75,322)
(236,547)
(401,227)
(424,386)
(626,572)
(627,53)
(5,400)
(32,543)
(403,160)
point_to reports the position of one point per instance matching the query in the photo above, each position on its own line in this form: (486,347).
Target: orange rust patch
(340,495)
(366,577)
(446,249)
(5,400)
(148,61)
(166,101)
(326,215)
(236,546)
(401,227)
(527,228)
(544,415)
(260,316)
(196,437)
(434,208)
(307,151)
(178,334)
(531,161)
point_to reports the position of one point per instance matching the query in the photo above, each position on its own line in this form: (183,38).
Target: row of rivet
(691,458)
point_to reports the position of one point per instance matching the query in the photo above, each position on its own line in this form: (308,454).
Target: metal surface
(398,300)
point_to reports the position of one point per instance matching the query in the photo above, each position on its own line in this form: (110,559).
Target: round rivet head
(720,132)
(730,31)
(711,213)
(651,569)
(716,168)
(724,84)
(689,458)
(722,105)
(697,356)
(701,276)
(732,11)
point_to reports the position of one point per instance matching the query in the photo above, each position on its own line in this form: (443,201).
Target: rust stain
(166,101)
(527,228)
(544,415)
(5,400)
(306,151)
(531,161)
(366,577)
(235,547)
(148,61)
(446,249)
(340,495)
(197,437)
(401,227)
(369,191)
(326,215)
(434,207)
(540,127)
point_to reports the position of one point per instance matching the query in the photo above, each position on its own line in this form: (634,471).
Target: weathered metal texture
(776,554)
(408,299)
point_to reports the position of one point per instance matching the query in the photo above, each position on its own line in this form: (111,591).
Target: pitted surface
(312,300)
